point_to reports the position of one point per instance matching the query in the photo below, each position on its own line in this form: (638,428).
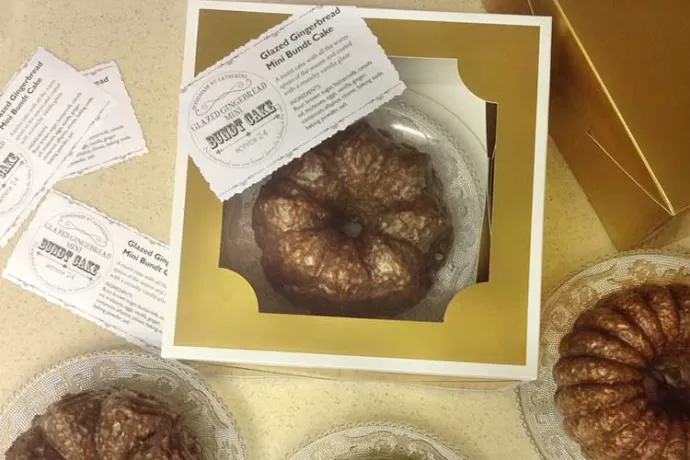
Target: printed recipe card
(94,266)
(46,110)
(280,95)
(118,137)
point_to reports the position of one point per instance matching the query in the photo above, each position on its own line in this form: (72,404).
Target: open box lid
(632,61)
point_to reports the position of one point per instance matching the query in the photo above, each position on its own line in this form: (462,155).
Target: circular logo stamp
(72,252)
(237,119)
(15,176)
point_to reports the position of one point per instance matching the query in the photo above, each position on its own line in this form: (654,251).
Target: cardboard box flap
(584,92)
(642,64)
(621,83)
(641,70)
(637,55)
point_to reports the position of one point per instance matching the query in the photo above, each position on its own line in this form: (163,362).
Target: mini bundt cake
(623,377)
(355,227)
(112,424)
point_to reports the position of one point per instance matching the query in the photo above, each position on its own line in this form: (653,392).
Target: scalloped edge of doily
(611,256)
(407,428)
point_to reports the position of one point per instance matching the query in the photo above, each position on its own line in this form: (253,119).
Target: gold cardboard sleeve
(620,106)
(484,323)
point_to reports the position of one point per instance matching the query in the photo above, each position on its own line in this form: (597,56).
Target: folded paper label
(280,95)
(94,266)
(46,112)
(118,137)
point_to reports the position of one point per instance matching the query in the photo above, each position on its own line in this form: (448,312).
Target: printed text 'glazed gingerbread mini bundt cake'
(623,377)
(355,227)
(111,424)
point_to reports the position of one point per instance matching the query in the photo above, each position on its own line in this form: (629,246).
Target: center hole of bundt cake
(351,228)
(667,381)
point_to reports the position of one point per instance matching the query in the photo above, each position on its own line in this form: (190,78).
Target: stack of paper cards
(46,112)
(118,137)
(56,122)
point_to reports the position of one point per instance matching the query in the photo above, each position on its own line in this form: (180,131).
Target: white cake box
(486,334)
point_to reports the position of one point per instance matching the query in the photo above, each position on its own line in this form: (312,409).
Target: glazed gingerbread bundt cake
(355,227)
(111,424)
(623,377)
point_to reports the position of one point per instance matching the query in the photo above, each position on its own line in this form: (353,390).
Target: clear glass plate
(202,410)
(559,312)
(406,119)
(376,441)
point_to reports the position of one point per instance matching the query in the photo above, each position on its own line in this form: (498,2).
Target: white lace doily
(376,441)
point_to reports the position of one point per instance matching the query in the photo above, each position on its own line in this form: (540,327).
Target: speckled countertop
(275,414)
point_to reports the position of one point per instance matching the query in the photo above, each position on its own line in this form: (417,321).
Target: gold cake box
(620,107)
(488,77)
